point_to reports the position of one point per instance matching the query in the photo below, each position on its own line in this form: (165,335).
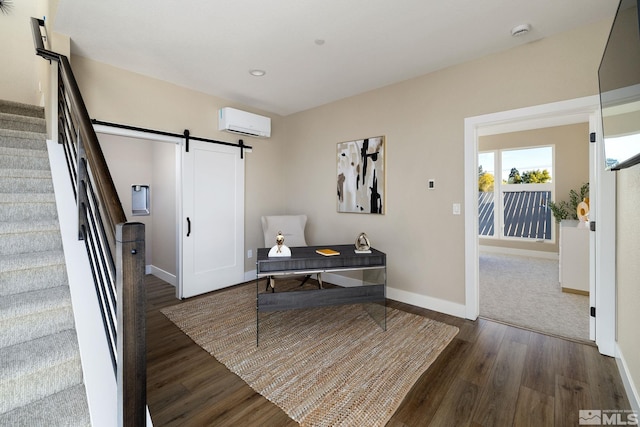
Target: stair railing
(115,247)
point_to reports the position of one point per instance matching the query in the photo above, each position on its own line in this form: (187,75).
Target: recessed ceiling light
(520,30)
(257,73)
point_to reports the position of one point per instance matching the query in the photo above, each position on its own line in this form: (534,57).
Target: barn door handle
(188,226)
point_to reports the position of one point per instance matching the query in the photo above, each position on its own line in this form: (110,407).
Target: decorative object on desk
(363,246)
(293,226)
(327,252)
(279,241)
(365,372)
(361,175)
(280,249)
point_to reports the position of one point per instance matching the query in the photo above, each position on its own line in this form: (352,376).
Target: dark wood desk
(305,260)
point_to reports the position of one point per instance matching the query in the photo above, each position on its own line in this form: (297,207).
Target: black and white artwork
(361,175)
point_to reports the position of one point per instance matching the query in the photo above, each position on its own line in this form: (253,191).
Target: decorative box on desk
(305,260)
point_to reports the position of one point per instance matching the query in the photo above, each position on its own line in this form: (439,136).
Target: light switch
(249,253)
(456,208)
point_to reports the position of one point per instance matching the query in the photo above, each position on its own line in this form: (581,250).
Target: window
(516,203)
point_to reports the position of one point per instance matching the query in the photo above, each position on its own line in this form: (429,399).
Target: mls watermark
(613,417)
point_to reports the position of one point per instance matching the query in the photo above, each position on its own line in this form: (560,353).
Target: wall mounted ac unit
(244,123)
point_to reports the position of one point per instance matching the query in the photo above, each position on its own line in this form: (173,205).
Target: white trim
(580,110)
(129,133)
(627,380)
(520,252)
(162,274)
(430,303)
(603,212)
(99,378)
(250,275)
(175,280)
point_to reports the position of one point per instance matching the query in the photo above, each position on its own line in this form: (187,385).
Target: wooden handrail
(115,247)
(113,213)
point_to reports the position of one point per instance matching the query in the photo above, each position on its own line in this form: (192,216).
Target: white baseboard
(249,275)
(340,280)
(430,303)
(160,273)
(627,380)
(521,252)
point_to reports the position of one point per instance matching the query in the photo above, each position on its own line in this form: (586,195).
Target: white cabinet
(574,257)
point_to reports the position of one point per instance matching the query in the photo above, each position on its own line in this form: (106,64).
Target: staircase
(41,380)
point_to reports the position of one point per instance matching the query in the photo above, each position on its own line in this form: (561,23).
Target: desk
(305,260)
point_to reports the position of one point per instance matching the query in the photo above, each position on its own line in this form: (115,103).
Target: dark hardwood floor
(490,375)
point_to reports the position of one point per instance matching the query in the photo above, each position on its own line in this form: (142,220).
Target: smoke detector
(520,30)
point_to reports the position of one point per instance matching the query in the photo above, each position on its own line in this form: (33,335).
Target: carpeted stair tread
(26,173)
(22,139)
(35,369)
(22,123)
(27,198)
(15,262)
(31,242)
(25,185)
(67,408)
(31,315)
(27,207)
(28,226)
(24,162)
(24,152)
(33,279)
(27,303)
(27,211)
(12,107)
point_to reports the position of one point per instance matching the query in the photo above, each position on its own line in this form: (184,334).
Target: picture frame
(361,175)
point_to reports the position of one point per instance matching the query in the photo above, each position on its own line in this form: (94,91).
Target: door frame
(178,144)
(602,267)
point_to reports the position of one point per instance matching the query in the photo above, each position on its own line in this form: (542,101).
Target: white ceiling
(210,45)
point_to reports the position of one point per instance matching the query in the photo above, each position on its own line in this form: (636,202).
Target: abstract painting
(361,175)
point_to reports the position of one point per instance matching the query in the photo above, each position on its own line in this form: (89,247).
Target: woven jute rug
(332,366)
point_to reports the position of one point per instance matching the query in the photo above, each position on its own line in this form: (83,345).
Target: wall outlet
(432,184)
(456,208)
(250,253)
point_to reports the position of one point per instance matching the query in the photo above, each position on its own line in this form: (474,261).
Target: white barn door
(212,229)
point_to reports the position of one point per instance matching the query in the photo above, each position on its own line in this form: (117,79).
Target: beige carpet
(525,292)
(330,366)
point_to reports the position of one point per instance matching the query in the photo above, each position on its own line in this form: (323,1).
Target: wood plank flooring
(490,375)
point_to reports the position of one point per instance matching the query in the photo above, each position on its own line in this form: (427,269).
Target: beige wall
(20,65)
(571,167)
(163,207)
(423,121)
(129,161)
(135,161)
(628,268)
(115,95)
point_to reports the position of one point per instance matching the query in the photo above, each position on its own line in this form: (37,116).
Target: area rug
(331,366)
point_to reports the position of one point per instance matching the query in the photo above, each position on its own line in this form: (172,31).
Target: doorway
(193,193)
(520,175)
(602,288)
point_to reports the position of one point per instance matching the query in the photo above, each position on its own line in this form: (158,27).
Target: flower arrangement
(569,210)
